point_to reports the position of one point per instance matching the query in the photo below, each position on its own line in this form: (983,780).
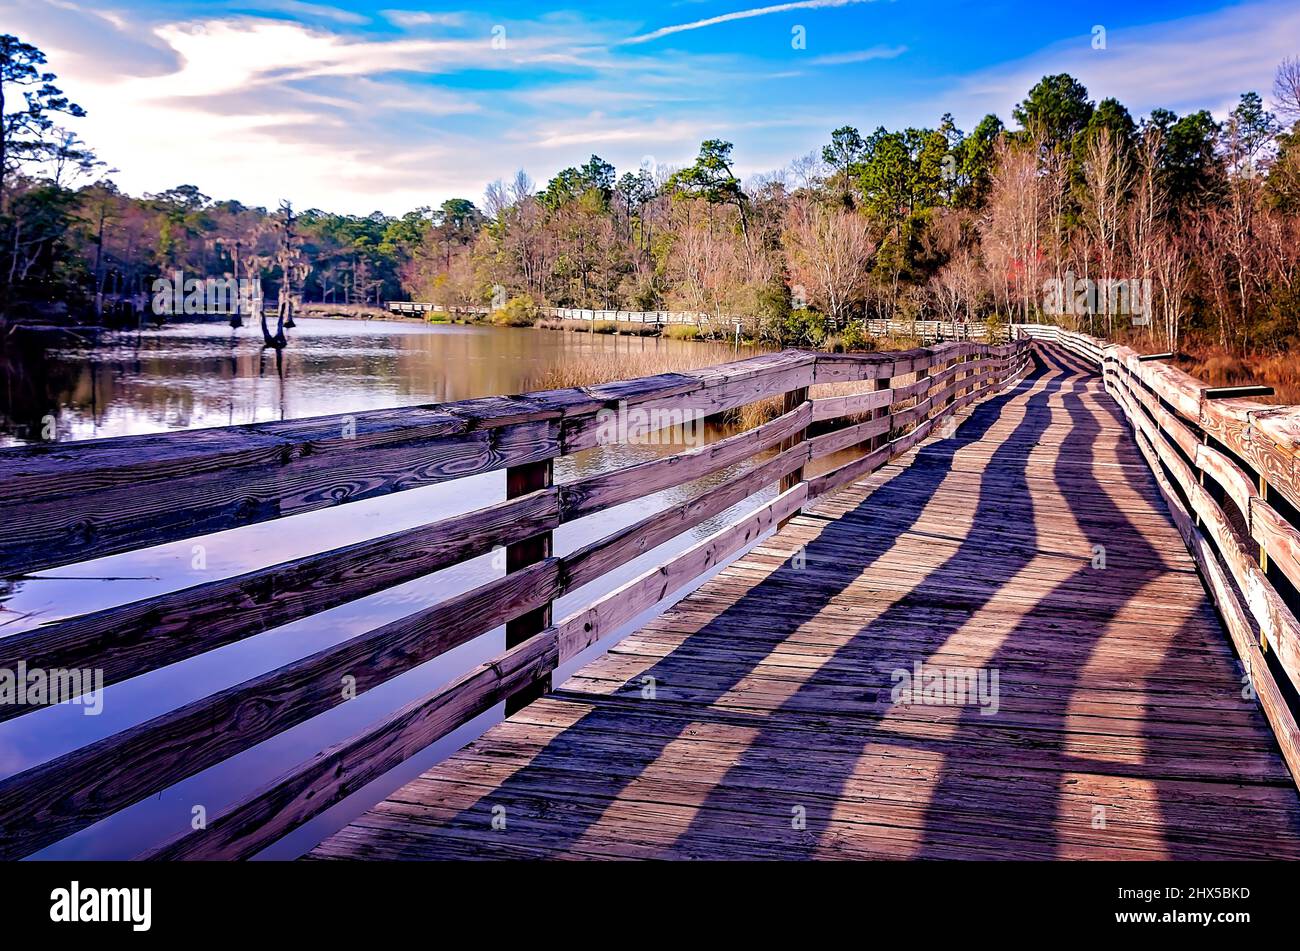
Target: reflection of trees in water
(35,385)
(140,381)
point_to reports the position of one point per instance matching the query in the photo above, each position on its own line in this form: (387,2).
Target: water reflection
(189,376)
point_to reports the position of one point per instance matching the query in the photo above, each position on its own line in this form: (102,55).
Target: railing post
(792,400)
(521,480)
(1263,557)
(880,383)
(925,394)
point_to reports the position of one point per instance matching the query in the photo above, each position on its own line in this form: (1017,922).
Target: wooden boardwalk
(756,718)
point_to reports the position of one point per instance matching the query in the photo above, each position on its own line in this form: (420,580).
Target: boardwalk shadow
(777,776)
(539,826)
(1037,696)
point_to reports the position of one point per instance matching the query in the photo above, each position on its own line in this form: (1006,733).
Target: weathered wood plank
(125,506)
(43,804)
(144,635)
(773,687)
(309,789)
(584,496)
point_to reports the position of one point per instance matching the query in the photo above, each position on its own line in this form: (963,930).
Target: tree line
(1200,218)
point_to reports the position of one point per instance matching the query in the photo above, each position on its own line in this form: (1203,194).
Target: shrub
(804,328)
(855,336)
(518,312)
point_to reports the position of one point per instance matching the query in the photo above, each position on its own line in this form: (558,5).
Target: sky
(356,106)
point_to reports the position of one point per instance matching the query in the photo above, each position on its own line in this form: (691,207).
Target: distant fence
(657,317)
(929,330)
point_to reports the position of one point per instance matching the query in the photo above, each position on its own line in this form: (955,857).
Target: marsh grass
(1219,367)
(625,328)
(352,311)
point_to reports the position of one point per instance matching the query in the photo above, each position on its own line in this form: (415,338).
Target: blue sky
(357,106)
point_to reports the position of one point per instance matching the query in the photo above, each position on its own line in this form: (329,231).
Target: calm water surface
(193,376)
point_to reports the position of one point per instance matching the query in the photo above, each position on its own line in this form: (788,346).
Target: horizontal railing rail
(66,503)
(1227,468)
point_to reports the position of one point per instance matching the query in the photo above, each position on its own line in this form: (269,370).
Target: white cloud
(258,109)
(317,11)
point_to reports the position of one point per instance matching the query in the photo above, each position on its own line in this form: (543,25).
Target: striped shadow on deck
(756,718)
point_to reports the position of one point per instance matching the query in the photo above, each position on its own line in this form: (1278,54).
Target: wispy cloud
(414,106)
(740,15)
(859,56)
(415,18)
(1202,61)
(314,11)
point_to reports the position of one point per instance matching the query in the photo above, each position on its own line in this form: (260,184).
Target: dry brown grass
(1219,367)
(626,328)
(630,366)
(353,311)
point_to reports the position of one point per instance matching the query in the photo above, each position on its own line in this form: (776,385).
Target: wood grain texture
(309,789)
(134,638)
(43,804)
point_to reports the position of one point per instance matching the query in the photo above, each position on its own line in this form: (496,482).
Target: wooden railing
(655,317)
(930,329)
(1227,468)
(64,503)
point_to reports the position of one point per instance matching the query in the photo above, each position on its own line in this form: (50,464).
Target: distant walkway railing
(926,330)
(66,503)
(1228,469)
(930,329)
(657,317)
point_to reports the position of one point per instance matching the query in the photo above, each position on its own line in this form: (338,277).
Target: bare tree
(1171,269)
(1013,224)
(1147,210)
(1107,174)
(1286,89)
(829,250)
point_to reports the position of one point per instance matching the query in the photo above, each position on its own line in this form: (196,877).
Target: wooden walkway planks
(755,718)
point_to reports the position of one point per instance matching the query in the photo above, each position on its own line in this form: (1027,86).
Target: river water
(189,376)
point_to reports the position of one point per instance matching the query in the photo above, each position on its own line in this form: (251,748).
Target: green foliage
(1250,127)
(976,155)
(518,312)
(1189,170)
(711,177)
(1057,108)
(803,328)
(26,137)
(570,184)
(855,337)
